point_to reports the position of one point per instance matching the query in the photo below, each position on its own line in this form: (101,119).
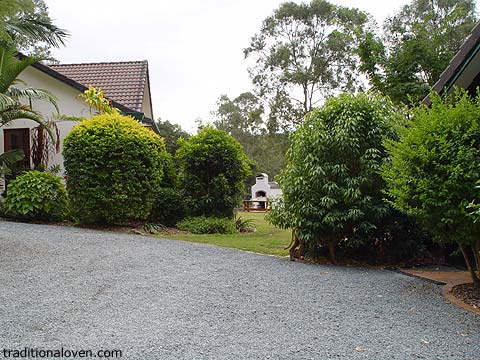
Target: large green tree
(434,169)
(302,54)
(416,46)
(331,186)
(22,20)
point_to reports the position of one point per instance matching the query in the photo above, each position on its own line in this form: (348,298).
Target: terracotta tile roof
(122,82)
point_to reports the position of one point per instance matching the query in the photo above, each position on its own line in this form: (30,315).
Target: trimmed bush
(36,195)
(114,167)
(213,168)
(168,207)
(208,225)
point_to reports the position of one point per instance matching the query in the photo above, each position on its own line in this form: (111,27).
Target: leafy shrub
(36,195)
(207,225)
(114,167)
(243,225)
(434,169)
(168,207)
(331,186)
(397,238)
(213,169)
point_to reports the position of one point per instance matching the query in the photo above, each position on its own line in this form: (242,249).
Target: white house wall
(147,105)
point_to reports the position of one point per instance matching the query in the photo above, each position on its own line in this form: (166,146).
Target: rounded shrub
(213,169)
(36,195)
(113,166)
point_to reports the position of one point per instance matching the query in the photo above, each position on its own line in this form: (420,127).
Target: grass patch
(266,240)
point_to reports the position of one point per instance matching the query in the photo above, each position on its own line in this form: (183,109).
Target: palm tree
(16,20)
(11,96)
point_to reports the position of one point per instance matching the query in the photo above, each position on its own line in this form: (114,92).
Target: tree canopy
(302,54)
(243,118)
(416,46)
(170,133)
(240,116)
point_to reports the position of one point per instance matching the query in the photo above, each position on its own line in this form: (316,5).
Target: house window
(18,139)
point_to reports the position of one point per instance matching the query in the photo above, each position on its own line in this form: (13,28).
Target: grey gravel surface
(162,299)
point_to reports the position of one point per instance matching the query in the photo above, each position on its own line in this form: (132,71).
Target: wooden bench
(256,205)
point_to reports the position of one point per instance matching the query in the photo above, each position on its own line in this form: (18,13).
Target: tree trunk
(331,250)
(476,254)
(475,279)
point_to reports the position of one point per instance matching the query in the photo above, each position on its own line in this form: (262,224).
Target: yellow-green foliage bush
(114,167)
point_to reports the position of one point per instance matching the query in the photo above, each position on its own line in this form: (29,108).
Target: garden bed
(468,294)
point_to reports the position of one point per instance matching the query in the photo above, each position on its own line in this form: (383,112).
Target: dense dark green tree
(213,168)
(417,44)
(331,186)
(171,133)
(434,170)
(302,54)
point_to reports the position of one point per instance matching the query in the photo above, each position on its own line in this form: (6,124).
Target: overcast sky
(193,47)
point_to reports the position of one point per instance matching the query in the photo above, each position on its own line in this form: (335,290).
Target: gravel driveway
(162,299)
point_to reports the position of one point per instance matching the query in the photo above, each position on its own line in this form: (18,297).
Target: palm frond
(10,158)
(11,67)
(38,30)
(24,112)
(18,111)
(33,94)
(6,101)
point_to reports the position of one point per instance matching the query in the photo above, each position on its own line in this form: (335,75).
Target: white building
(264,189)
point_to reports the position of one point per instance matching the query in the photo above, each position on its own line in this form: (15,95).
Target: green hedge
(208,225)
(36,195)
(114,167)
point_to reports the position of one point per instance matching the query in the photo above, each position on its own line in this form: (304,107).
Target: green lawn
(266,240)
